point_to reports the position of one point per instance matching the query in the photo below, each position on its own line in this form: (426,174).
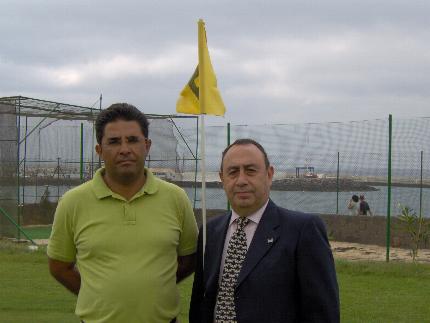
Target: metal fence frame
(26,108)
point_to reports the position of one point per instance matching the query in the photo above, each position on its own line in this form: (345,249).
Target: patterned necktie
(225,311)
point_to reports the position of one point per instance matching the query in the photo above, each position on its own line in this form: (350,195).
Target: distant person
(353,205)
(262,263)
(123,240)
(364,208)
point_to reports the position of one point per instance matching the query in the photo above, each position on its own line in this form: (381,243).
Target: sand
(356,251)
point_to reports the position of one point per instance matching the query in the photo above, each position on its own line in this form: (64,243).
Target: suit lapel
(264,238)
(214,248)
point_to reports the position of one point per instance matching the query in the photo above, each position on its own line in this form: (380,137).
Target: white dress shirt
(249,232)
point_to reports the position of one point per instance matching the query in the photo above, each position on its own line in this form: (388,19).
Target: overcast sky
(276,61)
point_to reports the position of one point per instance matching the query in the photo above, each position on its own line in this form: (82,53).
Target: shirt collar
(254,217)
(102,190)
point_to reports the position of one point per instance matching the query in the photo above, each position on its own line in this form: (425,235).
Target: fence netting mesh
(318,167)
(53,155)
(8,168)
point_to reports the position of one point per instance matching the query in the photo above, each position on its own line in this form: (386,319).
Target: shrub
(416,226)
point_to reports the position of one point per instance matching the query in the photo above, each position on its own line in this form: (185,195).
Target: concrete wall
(367,230)
(359,229)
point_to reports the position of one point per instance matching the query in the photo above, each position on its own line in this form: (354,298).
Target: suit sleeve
(195,313)
(319,294)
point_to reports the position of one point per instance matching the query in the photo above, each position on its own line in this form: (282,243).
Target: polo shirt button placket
(129,214)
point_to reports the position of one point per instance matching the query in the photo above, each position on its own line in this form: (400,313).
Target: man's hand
(186,266)
(66,274)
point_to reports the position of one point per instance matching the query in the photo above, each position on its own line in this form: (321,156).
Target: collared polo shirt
(125,251)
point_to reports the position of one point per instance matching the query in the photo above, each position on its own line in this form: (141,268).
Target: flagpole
(200,96)
(202,104)
(203,173)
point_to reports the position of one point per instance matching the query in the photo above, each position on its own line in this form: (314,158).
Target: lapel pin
(270,240)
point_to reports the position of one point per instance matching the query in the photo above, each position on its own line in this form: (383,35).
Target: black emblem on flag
(192,82)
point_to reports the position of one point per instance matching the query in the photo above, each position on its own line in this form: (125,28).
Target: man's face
(123,149)
(245,178)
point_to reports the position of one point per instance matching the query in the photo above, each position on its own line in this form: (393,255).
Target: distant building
(166,173)
(308,172)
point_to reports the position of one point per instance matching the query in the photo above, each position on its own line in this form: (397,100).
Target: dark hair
(355,198)
(246,141)
(120,111)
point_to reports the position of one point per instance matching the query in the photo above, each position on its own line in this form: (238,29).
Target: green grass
(38,232)
(27,291)
(369,291)
(384,292)
(29,294)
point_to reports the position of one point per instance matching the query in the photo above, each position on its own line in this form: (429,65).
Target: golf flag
(200,95)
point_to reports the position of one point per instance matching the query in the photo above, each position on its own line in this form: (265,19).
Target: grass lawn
(369,291)
(381,292)
(38,232)
(27,292)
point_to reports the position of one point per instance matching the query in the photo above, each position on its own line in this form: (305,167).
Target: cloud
(295,61)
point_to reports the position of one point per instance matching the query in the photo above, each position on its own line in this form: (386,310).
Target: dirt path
(356,251)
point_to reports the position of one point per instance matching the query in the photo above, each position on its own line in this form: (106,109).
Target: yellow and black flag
(200,95)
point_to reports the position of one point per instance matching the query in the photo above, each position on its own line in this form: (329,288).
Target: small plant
(415,226)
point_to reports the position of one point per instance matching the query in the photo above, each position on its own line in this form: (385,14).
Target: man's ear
(99,150)
(270,172)
(148,144)
(221,177)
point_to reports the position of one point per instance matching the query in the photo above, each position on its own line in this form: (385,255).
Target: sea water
(305,201)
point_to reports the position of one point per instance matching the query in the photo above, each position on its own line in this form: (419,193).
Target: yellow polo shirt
(126,251)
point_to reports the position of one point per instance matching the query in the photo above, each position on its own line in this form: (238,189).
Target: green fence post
(337,185)
(18,166)
(421,186)
(100,109)
(91,168)
(24,166)
(228,144)
(58,178)
(388,241)
(81,161)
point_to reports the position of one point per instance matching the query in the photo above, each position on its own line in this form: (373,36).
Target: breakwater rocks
(51,181)
(198,184)
(321,185)
(302,184)
(346,184)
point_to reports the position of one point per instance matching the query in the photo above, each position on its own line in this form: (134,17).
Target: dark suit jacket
(288,274)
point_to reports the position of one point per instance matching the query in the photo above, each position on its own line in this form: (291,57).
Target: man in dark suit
(262,263)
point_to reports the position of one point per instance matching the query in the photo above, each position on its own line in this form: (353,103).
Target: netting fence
(47,148)
(318,167)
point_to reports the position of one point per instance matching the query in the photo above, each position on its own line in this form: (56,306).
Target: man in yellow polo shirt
(123,240)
